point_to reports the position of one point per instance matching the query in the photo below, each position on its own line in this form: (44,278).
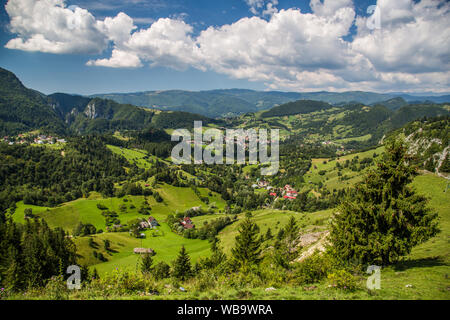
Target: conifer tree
(247,249)
(385,218)
(269,234)
(291,237)
(182,268)
(146,263)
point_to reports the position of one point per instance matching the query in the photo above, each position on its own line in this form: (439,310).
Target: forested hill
(234,102)
(23,109)
(297,107)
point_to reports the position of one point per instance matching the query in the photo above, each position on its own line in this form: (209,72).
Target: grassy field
(331,179)
(165,243)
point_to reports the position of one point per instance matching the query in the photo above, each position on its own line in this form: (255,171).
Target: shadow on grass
(419,263)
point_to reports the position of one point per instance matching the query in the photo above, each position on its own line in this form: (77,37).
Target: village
(38,139)
(287,192)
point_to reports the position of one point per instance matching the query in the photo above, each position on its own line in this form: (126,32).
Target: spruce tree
(182,268)
(146,263)
(247,249)
(291,237)
(269,235)
(385,218)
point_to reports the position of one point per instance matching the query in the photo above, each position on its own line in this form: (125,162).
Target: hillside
(233,102)
(429,143)
(22,109)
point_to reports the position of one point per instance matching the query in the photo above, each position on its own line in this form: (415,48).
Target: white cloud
(119,59)
(328,8)
(262,7)
(414,38)
(49,26)
(289,50)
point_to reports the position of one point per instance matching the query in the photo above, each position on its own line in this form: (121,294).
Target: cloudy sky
(83,46)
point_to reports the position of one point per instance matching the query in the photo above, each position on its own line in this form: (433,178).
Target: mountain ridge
(231,102)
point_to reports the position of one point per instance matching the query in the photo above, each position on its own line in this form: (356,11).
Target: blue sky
(138,45)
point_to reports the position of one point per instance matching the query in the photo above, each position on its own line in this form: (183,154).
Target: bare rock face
(313,242)
(90,111)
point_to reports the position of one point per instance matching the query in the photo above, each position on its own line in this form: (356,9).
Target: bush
(313,269)
(342,279)
(161,270)
(56,289)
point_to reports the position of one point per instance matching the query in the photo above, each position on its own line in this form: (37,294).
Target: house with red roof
(187,223)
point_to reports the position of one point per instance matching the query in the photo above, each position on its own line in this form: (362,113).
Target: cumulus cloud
(413,38)
(286,49)
(262,7)
(119,59)
(49,26)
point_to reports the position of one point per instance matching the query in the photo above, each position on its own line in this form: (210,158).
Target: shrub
(56,289)
(342,279)
(313,269)
(161,270)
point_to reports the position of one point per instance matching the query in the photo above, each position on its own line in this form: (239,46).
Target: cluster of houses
(340,150)
(261,184)
(287,192)
(40,139)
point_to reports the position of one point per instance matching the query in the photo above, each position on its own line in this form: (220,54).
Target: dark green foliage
(107,244)
(146,263)
(48,178)
(291,239)
(176,120)
(313,269)
(269,235)
(297,107)
(22,109)
(386,218)
(182,268)
(32,253)
(247,249)
(161,270)
(82,230)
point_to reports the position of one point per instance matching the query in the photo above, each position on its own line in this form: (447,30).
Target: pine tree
(385,218)
(269,234)
(291,236)
(182,268)
(247,249)
(146,263)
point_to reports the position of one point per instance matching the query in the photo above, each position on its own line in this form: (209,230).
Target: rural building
(187,223)
(143,251)
(152,222)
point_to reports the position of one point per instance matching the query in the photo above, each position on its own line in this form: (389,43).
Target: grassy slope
(331,179)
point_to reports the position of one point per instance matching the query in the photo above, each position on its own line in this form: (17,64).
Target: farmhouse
(187,223)
(289,192)
(143,251)
(152,222)
(144,225)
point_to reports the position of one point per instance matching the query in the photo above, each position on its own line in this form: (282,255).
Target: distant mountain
(393,104)
(232,102)
(23,109)
(297,107)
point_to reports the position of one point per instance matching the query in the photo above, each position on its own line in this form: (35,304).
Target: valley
(109,173)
